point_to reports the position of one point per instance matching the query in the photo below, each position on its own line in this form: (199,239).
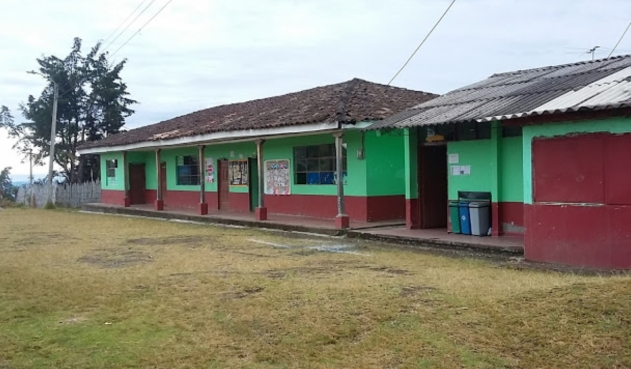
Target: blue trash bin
(465,218)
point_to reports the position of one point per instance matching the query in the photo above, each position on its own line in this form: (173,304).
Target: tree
(93,104)
(7,189)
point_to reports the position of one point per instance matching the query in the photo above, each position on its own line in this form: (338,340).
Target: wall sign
(238,172)
(461,170)
(454,158)
(277,177)
(209,166)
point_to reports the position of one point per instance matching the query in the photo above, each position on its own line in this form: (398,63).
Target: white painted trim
(218,137)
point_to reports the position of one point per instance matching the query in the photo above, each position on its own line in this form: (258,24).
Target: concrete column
(342,221)
(260,211)
(125,164)
(412,205)
(203,205)
(159,204)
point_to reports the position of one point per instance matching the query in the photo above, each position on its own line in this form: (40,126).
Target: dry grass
(96,291)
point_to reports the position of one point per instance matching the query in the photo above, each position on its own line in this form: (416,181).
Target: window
(187,171)
(315,165)
(110,169)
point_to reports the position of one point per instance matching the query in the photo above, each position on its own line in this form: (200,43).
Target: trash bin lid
(483,204)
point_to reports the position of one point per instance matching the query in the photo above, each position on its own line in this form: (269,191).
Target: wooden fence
(71,195)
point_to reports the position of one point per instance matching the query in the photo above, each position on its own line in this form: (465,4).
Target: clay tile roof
(348,102)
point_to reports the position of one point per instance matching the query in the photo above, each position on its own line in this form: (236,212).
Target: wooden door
(224,185)
(433,186)
(163,182)
(136,184)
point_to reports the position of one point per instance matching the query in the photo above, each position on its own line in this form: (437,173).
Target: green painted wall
(479,155)
(612,125)
(511,170)
(496,167)
(356,181)
(151,176)
(380,173)
(385,163)
(410,162)
(120,180)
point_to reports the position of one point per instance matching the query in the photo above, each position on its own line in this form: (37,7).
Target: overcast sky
(201,53)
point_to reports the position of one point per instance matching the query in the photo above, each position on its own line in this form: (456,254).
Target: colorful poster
(238,172)
(277,177)
(210,170)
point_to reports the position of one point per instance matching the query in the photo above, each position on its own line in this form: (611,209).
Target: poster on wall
(238,172)
(277,177)
(210,170)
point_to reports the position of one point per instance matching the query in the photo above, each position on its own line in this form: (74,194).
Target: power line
(125,21)
(67,84)
(620,40)
(422,42)
(143,26)
(129,25)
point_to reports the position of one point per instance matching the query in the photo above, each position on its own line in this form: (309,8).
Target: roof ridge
(559,66)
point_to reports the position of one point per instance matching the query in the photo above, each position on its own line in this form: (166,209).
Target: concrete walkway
(389,232)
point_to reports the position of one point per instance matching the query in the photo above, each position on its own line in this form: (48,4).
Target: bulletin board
(238,172)
(277,177)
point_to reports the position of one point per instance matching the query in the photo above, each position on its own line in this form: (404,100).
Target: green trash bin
(454,216)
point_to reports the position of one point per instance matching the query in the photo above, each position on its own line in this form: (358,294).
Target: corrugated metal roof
(593,85)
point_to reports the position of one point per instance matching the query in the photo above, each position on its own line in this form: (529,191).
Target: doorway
(163,182)
(224,185)
(433,195)
(136,184)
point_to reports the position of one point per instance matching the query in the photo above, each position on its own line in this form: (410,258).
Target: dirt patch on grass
(384,269)
(242,294)
(171,240)
(252,254)
(313,270)
(75,320)
(410,291)
(116,259)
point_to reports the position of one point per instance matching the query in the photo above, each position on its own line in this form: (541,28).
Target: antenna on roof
(592,51)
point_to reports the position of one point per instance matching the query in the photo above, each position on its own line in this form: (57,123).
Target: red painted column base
(159,205)
(412,214)
(127,202)
(260,213)
(202,209)
(342,221)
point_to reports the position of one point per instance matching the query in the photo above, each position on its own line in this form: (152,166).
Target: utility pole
(53,136)
(30,178)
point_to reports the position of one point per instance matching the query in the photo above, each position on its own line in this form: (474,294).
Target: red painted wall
(512,218)
(239,201)
(362,209)
(380,208)
(113,197)
(582,201)
(151,196)
(569,169)
(593,236)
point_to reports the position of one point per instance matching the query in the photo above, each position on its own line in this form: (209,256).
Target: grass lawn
(97,291)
